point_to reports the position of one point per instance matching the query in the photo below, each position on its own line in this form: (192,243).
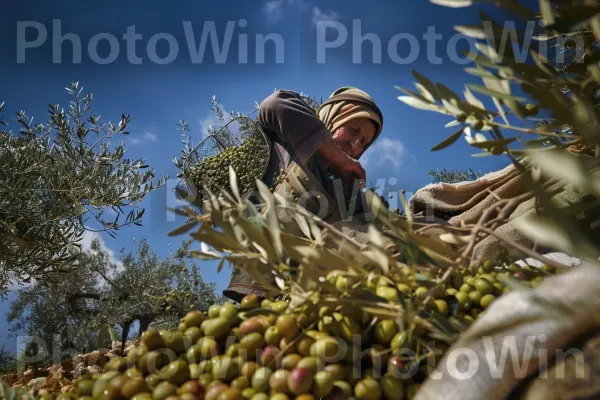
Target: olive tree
(140,287)
(57,180)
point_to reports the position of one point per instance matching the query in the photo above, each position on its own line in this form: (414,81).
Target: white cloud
(86,244)
(274,8)
(386,151)
(146,137)
(319,16)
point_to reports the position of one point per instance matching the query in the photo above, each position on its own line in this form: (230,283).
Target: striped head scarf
(348,103)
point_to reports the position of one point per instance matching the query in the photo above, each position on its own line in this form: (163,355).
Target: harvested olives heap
(248,161)
(264,350)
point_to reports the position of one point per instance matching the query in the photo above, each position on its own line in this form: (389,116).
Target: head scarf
(348,103)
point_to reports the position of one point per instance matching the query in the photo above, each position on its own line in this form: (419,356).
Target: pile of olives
(248,161)
(265,350)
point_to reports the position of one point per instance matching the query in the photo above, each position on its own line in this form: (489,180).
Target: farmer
(310,147)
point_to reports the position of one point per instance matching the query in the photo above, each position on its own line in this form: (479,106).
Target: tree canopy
(59,179)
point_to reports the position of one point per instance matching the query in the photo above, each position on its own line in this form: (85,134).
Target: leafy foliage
(562,93)
(447,176)
(7,361)
(140,287)
(59,178)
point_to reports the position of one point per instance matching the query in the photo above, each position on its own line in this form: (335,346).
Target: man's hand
(348,168)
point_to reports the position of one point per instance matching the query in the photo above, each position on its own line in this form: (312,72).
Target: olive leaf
(234,184)
(482,73)
(473,31)
(449,140)
(203,256)
(301,221)
(474,101)
(418,103)
(425,93)
(184,228)
(549,233)
(453,3)
(494,93)
(272,220)
(565,167)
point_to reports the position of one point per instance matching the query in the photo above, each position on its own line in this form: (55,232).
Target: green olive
(134,386)
(483,286)
(240,383)
(466,288)
(152,340)
(225,368)
(367,389)
(278,381)
(272,335)
(213,392)
(191,335)
(252,343)
(260,379)
(85,387)
(392,387)
(290,361)
(327,348)
(286,324)
(300,380)
(463,300)
(228,311)
(176,372)
(213,311)
(249,368)
(230,394)
(260,396)
(164,390)
(475,296)
(336,370)
(217,327)
(440,306)
(389,293)
(385,330)
(193,318)
(250,301)
(303,346)
(205,379)
(322,384)
(313,364)
(400,340)
(487,300)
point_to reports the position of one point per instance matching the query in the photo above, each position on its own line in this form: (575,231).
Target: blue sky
(158,95)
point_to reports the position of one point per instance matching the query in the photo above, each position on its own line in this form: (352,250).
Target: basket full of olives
(241,144)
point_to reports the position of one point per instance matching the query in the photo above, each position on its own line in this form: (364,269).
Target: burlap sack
(535,330)
(464,203)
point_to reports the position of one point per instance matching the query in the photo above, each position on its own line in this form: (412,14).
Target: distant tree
(7,361)
(453,176)
(141,288)
(58,178)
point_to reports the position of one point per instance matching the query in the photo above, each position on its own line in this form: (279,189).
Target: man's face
(354,136)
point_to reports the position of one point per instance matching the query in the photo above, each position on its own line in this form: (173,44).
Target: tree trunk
(124,335)
(144,324)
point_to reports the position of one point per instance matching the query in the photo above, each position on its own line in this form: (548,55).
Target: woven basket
(236,133)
